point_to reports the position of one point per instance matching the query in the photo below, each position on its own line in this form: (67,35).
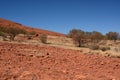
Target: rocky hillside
(7,23)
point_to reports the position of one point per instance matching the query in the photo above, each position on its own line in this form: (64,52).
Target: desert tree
(1,31)
(119,36)
(77,35)
(112,35)
(12,32)
(4,35)
(96,36)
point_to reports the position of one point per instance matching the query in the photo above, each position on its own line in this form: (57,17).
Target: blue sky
(64,15)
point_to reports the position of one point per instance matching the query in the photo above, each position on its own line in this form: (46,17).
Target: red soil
(34,62)
(7,23)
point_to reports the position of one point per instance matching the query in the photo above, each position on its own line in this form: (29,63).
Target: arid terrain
(35,62)
(58,59)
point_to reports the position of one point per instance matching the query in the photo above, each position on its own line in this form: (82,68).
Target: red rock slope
(7,23)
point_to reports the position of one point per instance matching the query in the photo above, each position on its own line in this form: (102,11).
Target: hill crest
(8,23)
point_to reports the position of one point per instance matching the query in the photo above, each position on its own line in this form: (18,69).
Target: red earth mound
(7,23)
(35,62)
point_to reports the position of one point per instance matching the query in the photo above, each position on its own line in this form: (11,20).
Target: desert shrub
(117,49)
(112,35)
(105,48)
(22,31)
(10,31)
(96,36)
(94,47)
(2,34)
(32,33)
(80,36)
(77,35)
(108,48)
(14,31)
(43,38)
(2,29)
(29,37)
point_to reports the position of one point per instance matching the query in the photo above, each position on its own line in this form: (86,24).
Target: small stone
(102,63)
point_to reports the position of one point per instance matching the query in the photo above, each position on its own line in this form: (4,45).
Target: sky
(64,15)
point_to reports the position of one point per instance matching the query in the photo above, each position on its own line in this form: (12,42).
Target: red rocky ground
(34,62)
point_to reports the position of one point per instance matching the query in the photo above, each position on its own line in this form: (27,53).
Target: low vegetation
(97,42)
(117,49)
(81,37)
(93,41)
(94,47)
(77,36)
(105,48)
(43,38)
(13,32)
(32,33)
